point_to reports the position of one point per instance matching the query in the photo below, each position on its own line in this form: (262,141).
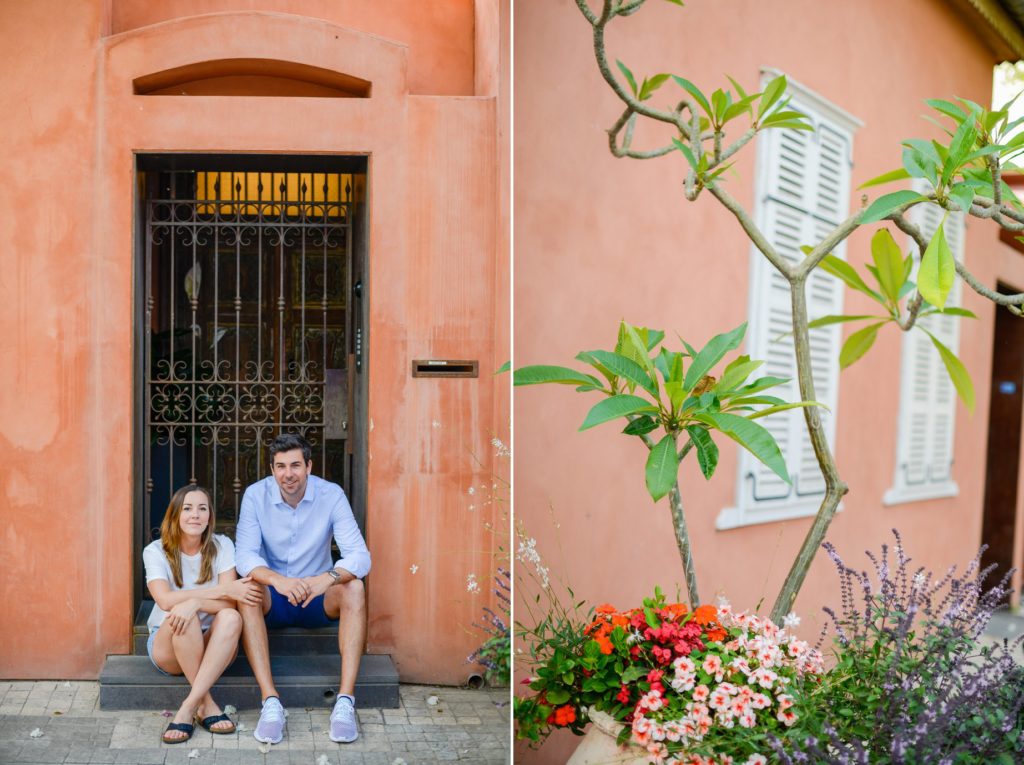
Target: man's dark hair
(286,442)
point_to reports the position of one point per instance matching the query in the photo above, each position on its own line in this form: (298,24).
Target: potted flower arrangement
(666,684)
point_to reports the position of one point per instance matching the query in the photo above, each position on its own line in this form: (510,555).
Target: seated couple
(285,578)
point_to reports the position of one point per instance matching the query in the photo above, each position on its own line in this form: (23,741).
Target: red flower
(562,716)
(623,695)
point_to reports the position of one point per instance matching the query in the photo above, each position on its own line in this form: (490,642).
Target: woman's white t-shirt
(158,567)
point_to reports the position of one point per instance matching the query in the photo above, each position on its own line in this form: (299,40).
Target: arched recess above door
(251,77)
(255,53)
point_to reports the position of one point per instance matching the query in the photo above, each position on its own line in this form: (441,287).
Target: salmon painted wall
(439,35)
(599,239)
(66,382)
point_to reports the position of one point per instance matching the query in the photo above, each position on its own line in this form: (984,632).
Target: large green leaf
(889,203)
(752,437)
(738,370)
(707,450)
(772,92)
(842,270)
(762,383)
(694,91)
(957,373)
(627,368)
(712,353)
(858,344)
(937,272)
(888,263)
(540,374)
(633,345)
(628,75)
(892,175)
(826,321)
(614,407)
(662,468)
(784,407)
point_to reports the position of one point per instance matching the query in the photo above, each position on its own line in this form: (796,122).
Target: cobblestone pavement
(61,722)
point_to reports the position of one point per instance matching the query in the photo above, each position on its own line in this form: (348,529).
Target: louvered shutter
(802,194)
(924,449)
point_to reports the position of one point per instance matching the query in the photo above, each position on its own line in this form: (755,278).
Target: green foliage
(665,395)
(960,172)
(890,271)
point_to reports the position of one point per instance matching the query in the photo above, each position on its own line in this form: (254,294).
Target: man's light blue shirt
(297,542)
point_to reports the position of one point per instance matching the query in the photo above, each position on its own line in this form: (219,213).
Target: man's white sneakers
(270,728)
(344,728)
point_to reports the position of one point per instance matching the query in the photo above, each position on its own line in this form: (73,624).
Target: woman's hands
(245,590)
(180,615)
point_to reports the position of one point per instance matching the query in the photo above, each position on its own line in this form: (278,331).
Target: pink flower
(748,718)
(700,693)
(786,717)
(756,759)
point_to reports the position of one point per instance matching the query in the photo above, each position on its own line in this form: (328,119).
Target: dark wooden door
(1002,459)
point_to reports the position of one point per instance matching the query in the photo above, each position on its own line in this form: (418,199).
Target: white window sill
(735,517)
(899,495)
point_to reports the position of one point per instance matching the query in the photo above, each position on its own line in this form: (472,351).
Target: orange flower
(705,615)
(620,621)
(715,634)
(605,609)
(564,715)
(604,643)
(676,609)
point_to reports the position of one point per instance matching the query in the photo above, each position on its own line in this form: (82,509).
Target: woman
(194,626)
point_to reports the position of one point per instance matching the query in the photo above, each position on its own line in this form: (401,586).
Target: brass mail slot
(444,368)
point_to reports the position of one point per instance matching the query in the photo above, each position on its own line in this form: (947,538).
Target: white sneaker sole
(343,740)
(278,740)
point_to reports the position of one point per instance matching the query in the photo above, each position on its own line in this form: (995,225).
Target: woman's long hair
(170,536)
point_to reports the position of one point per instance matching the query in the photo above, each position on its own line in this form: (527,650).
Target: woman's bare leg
(221,646)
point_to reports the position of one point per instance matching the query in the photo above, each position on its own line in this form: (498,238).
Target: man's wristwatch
(334,575)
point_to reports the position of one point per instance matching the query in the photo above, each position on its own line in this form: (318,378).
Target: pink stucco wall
(599,239)
(436,274)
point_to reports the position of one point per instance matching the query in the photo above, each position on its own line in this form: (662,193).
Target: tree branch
(835,488)
(826,245)
(753,232)
(623,150)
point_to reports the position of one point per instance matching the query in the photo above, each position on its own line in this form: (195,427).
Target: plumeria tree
(963,173)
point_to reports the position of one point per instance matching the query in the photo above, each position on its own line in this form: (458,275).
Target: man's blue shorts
(284,614)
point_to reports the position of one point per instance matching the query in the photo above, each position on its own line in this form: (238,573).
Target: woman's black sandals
(185,728)
(209,722)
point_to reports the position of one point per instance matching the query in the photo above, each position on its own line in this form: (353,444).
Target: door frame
(152,161)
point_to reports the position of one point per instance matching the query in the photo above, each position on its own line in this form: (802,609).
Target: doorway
(1002,460)
(250,321)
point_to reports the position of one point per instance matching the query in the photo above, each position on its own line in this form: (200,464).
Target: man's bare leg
(348,603)
(257,645)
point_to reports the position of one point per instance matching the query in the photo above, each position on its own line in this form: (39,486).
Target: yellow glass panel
(231,193)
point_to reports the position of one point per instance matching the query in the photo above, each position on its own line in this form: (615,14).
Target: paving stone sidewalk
(61,722)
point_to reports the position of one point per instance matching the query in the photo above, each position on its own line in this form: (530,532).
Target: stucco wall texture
(438,283)
(599,239)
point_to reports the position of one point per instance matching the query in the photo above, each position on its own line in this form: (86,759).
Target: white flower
(790,621)
(500,449)
(471,584)
(413,568)
(471,490)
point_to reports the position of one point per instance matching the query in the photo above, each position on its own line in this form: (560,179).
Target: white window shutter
(803,192)
(927,414)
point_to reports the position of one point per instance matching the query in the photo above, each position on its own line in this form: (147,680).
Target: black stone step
(132,682)
(283,642)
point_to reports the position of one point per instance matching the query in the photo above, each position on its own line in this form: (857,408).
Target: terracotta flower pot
(598,746)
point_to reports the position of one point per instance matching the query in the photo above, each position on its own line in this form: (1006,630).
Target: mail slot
(444,368)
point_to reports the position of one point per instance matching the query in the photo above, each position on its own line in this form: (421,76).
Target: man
(283,542)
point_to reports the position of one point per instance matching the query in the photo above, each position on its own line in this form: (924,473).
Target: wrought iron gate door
(248,326)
